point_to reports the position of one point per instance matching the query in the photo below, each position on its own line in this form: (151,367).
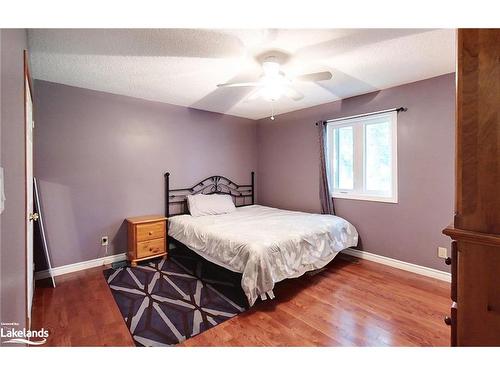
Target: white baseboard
(81,266)
(421,270)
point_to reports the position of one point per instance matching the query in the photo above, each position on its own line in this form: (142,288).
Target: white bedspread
(265,244)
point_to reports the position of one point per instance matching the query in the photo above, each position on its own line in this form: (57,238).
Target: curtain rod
(400,109)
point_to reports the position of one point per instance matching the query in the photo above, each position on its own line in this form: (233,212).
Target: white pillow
(213,204)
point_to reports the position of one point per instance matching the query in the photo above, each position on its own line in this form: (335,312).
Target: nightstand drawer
(152,247)
(146,238)
(150,231)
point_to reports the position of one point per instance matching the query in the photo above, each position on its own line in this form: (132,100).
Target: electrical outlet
(104,240)
(442,252)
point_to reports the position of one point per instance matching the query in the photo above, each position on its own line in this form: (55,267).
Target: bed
(266,245)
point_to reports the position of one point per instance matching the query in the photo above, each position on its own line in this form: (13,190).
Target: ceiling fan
(274,83)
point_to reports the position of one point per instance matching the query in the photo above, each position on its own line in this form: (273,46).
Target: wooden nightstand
(147,238)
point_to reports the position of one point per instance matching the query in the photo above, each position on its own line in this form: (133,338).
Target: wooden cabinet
(475,260)
(147,238)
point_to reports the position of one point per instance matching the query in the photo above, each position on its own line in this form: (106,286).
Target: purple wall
(13,246)
(101,157)
(409,230)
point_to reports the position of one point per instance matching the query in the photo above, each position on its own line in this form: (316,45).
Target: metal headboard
(210,185)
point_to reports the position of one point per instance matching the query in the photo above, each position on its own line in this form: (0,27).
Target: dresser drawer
(150,231)
(152,247)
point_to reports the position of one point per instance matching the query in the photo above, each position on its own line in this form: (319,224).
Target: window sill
(368,198)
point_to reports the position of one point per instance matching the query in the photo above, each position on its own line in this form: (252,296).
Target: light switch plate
(442,252)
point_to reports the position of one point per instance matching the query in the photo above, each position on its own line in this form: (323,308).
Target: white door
(30,215)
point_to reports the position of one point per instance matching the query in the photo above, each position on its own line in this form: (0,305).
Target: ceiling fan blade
(293,94)
(315,77)
(239,84)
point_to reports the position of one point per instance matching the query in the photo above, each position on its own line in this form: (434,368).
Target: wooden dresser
(475,257)
(147,238)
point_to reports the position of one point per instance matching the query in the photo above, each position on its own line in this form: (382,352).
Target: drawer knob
(150,233)
(447,320)
(448,261)
(150,249)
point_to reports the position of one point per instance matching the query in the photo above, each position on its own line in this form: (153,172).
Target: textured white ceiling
(183,66)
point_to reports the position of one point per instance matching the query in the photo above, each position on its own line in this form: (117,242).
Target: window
(362,159)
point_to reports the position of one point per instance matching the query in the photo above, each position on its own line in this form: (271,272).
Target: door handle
(33,216)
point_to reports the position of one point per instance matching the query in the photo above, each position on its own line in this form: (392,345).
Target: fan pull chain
(272,110)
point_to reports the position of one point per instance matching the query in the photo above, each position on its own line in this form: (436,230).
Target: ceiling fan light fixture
(271,68)
(271,93)
(272,86)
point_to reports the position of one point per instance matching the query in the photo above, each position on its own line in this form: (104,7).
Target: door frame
(26,77)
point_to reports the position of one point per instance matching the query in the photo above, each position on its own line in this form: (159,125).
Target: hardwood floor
(80,311)
(351,303)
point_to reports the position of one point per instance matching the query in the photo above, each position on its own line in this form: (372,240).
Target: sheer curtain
(325,196)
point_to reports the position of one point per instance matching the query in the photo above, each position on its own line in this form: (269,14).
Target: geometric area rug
(165,302)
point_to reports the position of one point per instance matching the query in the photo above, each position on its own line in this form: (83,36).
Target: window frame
(358,125)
